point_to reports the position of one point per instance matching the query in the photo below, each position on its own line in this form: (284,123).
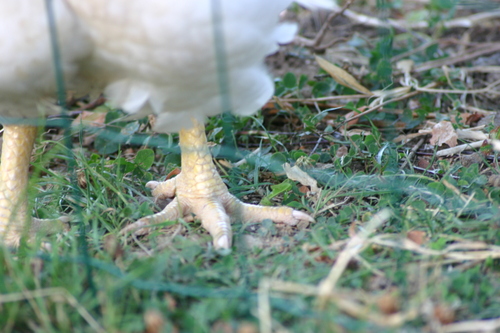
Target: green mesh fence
(386,284)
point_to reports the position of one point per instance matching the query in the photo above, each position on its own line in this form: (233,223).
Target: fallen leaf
(495,133)
(152,120)
(414,104)
(88,118)
(304,189)
(357,131)
(468,160)
(341,152)
(388,304)
(423,163)
(170,301)
(154,321)
(443,132)
(81,178)
(341,76)
(444,314)
(473,118)
(247,327)
(324,259)
(417,236)
(384,95)
(350,115)
(221,326)
(226,164)
(173,173)
(494,180)
(295,173)
(113,247)
(352,229)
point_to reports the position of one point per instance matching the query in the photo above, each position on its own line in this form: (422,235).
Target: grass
(404,240)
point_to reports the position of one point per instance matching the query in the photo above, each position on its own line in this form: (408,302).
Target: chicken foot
(199,189)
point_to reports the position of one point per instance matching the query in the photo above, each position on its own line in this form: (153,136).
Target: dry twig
(403,25)
(316,42)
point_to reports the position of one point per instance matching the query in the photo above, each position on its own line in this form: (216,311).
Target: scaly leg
(200,190)
(15,162)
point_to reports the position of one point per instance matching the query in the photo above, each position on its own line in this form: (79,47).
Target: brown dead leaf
(113,247)
(323,258)
(295,173)
(171,302)
(487,147)
(384,95)
(221,326)
(357,131)
(352,229)
(349,122)
(304,189)
(417,236)
(444,314)
(93,104)
(154,321)
(494,180)
(341,152)
(414,104)
(341,76)
(423,163)
(378,282)
(495,133)
(271,107)
(81,179)
(226,164)
(350,115)
(388,303)
(36,265)
(443,132)
(88,118)
(473,118)
(247,327)
(152,120)
(468,160)
(310,248)
(173,173)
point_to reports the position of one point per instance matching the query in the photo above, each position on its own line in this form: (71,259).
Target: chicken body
(27,78)
(168,57)
(181,60)
(185,61)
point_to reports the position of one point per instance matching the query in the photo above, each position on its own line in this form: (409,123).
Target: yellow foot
(35,228)
(199,190)
(217,210)
(14,211)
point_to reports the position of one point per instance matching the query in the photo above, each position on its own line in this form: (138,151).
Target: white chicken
(181,60)
(26,78)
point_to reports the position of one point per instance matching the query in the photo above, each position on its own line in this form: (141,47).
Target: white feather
(26,59)
(326,4)
(166,57)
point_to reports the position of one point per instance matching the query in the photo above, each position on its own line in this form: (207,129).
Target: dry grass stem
(353,247)
(57,295)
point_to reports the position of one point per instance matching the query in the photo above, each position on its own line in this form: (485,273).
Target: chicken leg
(200,190)
(15,216)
